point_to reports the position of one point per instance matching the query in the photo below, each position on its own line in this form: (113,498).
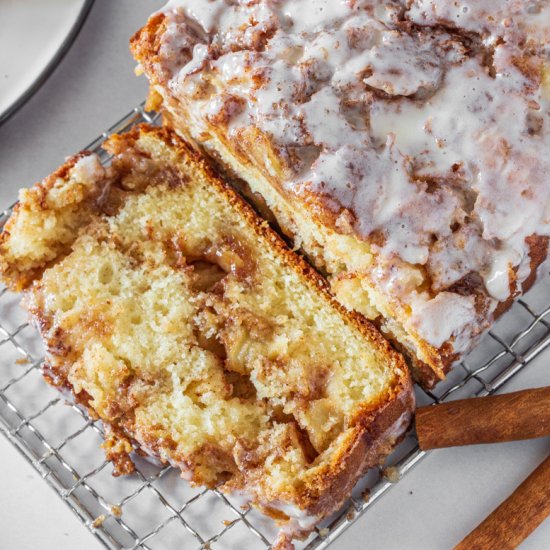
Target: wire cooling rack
(154,509)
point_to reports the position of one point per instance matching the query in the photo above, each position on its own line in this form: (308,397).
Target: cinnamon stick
(513,416)
(517,517)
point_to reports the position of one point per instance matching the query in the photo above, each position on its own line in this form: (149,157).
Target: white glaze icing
(433,135)
(206,12)
(445,315)
(492,18)
(88,170)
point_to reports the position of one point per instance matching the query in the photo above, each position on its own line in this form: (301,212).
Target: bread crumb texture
(179,319)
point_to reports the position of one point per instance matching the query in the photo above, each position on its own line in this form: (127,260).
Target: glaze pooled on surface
(421,127)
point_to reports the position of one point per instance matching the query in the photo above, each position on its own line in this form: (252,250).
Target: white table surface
(433,507)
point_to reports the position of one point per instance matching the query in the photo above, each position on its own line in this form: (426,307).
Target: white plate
(34,36)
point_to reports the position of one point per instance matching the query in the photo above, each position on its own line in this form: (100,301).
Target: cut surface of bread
(178,318)
(401,144)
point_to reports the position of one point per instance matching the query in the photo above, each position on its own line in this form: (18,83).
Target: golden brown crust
(368,447)
(424,373)
(370,443)
(146,42)
(15,278)
(374,429)
(538,252)
(117,449)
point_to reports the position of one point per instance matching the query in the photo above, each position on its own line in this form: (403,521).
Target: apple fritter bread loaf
(174,314)
(402,143)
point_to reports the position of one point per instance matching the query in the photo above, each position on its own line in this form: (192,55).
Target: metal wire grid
(153,508)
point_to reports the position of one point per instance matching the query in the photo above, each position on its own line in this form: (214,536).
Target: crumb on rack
(366,495)
(116,510)
(98,522)
(323,532)
(391,473)
(350,515)
(22,361)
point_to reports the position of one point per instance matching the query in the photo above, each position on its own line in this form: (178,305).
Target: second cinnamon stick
(517,517)
(513,416)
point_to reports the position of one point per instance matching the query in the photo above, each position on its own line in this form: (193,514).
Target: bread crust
(34,201)
(375,429)
(371,442)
